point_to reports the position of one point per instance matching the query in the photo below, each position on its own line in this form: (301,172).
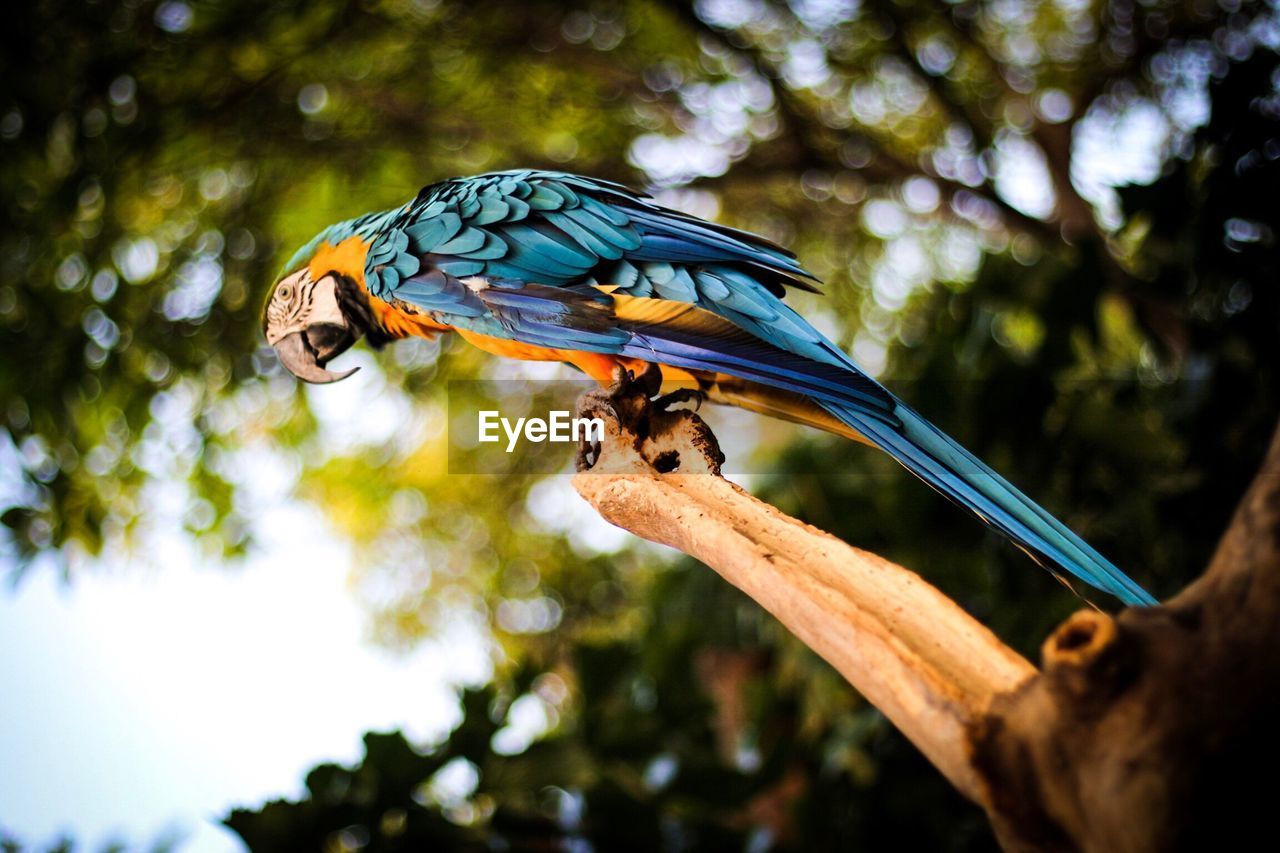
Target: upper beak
(305,353)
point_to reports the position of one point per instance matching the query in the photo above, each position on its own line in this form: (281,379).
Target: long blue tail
(955,472)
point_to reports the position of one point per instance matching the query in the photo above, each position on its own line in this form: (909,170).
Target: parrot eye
(284,291)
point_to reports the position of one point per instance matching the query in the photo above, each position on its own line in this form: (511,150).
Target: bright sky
(138,703)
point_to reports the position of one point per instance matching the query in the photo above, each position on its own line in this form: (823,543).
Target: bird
(553,266)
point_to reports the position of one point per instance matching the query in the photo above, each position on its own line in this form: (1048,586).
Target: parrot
(553,266)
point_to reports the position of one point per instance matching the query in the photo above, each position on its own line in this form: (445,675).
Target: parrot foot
(666,440)
(648,380)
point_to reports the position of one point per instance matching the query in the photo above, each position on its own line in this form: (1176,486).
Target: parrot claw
(671,399)
(648,381)
(625,382)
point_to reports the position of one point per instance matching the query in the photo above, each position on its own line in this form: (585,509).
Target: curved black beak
(306,353)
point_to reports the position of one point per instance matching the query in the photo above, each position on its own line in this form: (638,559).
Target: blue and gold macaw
(554,266)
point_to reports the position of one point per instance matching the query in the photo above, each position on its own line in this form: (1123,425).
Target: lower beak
(305,360)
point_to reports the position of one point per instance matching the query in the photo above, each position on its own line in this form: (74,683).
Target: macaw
(553,266)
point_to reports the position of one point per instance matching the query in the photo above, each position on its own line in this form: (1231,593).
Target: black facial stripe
(354,305)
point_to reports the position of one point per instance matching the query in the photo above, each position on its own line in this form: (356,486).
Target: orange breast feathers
(599,366)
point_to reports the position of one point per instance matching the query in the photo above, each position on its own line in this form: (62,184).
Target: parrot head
(305,322)
(320,310)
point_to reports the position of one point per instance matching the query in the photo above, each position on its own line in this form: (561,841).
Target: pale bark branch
(1150,730)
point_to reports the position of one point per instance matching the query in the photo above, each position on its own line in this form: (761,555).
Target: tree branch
(961,112)
(1146,731)
(817,145)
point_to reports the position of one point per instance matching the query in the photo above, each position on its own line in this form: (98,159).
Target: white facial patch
(324,304)
(298,302)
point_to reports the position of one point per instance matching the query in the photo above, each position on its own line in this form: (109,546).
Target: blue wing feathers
(462,244)
(588,238)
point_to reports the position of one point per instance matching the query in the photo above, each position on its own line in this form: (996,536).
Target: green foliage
(1113,354)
